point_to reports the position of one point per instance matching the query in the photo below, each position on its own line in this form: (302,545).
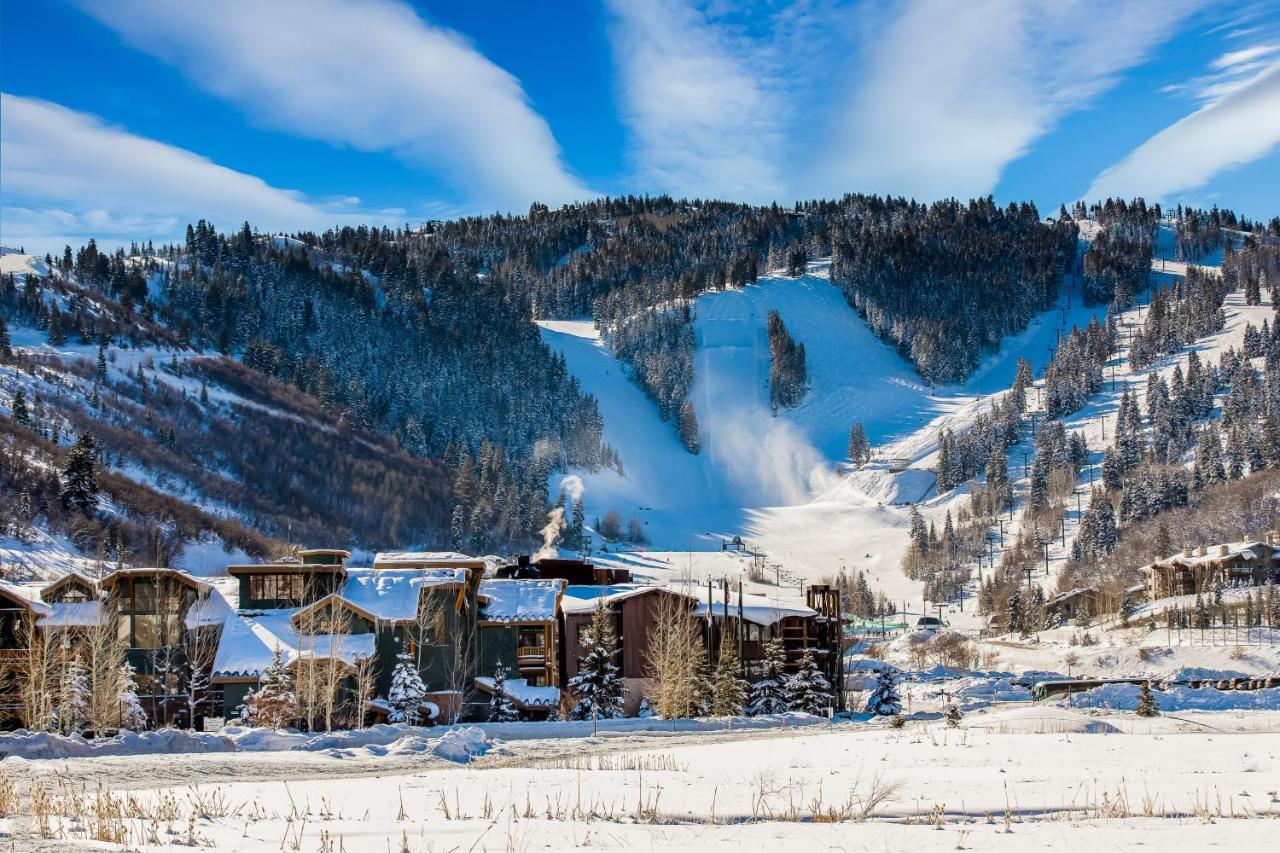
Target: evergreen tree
(1147,701)
(274,704)
(919,533)
(19,410)
(407,692)
(859,446)
(884,700)
(577,529)
(80,475)
(501,708)
(132,716)
(808,690)
(73,697)
(688,427)
(728,689)
(769,692)
(6,344)
(597,685)
(952,715)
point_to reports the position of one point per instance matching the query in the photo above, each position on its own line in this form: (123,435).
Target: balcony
(531,653)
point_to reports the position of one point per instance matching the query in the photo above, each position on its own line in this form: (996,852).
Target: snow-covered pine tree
(501,708)
(769,692)
(80,475)
(274,704)
(952,715)
(132,716)
(859,446)
(73,697)
(406,693)
(597,685)
(884,700)
(1147,702)
(808,689)
(728,689)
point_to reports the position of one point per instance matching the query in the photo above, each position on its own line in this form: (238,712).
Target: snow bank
(1124,697)
(40,745)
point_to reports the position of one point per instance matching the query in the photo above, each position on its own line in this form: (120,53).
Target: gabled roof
(155,571)
(332,598)
(70,577)
(23,597)
(512,600)
(1213,554)
(756,609)
(250,638)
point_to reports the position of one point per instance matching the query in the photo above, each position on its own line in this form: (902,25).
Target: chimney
(1200,551)
(1186,552)
(1223,550)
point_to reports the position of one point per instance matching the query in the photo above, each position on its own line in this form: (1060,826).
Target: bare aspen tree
(676,659)
(103,652)
(366,678)
(201,646)
(334,622)
(38,682)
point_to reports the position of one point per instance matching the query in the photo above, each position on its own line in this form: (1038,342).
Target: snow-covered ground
(1011,777)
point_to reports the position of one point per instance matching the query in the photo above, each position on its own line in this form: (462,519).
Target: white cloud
(371,75)
(68,176)
(818,97)
(704,117)
(951,93)
(1237,128)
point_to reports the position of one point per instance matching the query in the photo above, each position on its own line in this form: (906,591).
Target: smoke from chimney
(550,533)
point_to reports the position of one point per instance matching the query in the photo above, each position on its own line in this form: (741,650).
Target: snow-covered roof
(143,571)
(522,694)
(26,595)
(520,600)
(757,609)
(66,614)
(72,576)
(1217,553)
(250,640)
(581,598)
(392,558)
(392,594)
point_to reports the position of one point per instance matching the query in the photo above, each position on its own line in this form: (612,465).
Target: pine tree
(132,716)
(919,533)
(687,422)
(884,700)
(728,689)
(80,475)
(19,410)
(577,529)
(501,708)
(405,696)
(274,705)
(859,446)
(769,692)
(597,685)
(808,690)
(953,715)
(1147,702)
(73,697)
(6,344)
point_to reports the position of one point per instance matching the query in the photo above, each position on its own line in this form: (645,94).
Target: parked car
(931,623)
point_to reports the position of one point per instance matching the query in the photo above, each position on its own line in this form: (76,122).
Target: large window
(285,588)
(531,636)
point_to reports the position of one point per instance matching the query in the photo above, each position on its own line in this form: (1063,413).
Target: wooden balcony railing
(531,652)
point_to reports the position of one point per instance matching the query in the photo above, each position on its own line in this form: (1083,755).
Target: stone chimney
(1201,551)
(1223,550)
(1186,552)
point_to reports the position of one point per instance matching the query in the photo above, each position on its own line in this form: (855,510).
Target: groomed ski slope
(777,481)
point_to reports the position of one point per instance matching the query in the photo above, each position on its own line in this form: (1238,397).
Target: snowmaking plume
(550,533)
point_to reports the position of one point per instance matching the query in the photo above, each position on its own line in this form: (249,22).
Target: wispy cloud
(951,93)
(1237,128)
(68,176)
(1231,71)
(704,116)
(372,75)
(817,97)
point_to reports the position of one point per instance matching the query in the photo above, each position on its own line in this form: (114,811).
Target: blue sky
(125,119)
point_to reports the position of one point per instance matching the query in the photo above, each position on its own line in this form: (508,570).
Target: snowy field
(1012,777)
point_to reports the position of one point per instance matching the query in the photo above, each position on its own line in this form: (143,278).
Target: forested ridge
(425,334)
